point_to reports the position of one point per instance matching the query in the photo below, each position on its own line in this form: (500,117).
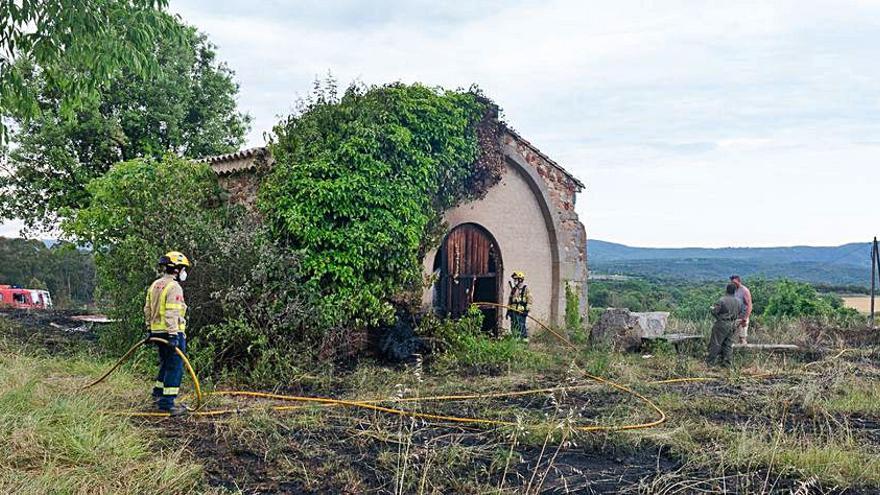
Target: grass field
(776,424)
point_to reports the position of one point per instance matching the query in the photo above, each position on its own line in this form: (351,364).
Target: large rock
(624,329)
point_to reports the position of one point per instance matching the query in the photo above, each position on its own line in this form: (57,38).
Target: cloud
(664,109)
(10,228)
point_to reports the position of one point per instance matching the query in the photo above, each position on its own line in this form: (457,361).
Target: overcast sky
(691,123)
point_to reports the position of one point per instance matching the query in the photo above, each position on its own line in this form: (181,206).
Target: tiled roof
(237,161)
(247,159)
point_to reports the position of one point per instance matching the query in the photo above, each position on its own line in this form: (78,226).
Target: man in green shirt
(726,311)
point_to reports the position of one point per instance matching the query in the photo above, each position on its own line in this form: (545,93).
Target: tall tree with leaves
(100,35)
(186,106)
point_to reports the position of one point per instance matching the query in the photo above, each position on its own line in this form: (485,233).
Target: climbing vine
(361,181)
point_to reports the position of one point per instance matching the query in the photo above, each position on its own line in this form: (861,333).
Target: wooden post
(875,259)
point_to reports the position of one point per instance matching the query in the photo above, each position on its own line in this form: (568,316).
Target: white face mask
(182,275)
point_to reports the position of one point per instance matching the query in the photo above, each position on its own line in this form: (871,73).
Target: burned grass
(776,424)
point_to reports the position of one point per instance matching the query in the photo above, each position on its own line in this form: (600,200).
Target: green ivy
(573,321)
(360,183)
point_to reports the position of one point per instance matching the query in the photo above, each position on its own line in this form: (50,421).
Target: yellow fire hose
(539,322)
(192,374)
(372,404)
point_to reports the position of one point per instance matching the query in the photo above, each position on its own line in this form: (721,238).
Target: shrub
(359,186)
(573,320)
(139,210)
(463,342)
(270,328)
(797,299)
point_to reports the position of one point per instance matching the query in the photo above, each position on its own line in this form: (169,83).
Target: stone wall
(562,189)
(241,187)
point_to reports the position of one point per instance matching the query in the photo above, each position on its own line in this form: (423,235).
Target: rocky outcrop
(624,329)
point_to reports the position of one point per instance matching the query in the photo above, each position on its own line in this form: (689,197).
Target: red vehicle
(16,297)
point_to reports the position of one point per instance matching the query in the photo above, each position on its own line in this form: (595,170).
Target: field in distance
(860,303)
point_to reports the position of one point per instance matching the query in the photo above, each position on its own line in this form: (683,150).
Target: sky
(691,123)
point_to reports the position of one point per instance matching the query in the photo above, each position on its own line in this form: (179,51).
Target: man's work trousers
(742,332)
(518,325)
(721,343)
(167,384)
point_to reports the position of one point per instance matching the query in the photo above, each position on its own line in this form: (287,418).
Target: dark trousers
(721,343)
(518,325)
(168,379)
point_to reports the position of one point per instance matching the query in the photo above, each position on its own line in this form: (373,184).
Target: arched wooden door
(470,270)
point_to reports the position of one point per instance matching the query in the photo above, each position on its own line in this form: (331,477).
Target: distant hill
(849,264)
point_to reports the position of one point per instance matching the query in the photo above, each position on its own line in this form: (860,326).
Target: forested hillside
(848,264)
(68,273)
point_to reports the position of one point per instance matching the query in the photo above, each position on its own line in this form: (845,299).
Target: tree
(68,273)
(133,219)
(186,106)
(99,36)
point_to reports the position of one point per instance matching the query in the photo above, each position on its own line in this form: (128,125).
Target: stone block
(624,329)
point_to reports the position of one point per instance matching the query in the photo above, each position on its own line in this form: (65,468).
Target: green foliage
(690,301)
(80,44)
(359,185)
(464,343)
(185,106)
(452,332)
(248,313)
(140,210)
(572,309)
(270,329)
(68,273)
(634,294)
(795,299)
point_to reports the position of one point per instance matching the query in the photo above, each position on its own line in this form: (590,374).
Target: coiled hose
(374,404)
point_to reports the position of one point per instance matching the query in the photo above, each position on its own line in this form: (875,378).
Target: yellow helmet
(519,275)
(174,258)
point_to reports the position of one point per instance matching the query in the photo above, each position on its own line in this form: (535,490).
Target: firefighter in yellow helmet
(519,303)
(165,315)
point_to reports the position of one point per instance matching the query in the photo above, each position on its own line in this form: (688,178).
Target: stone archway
(469,269)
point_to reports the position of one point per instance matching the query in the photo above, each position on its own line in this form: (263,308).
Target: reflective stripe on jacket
(164,309)
(520,299)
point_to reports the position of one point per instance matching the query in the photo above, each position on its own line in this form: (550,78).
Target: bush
(463,342)
(248,313)
(270,329)
(140,210)
(359,186)
(771,299)
(796,299)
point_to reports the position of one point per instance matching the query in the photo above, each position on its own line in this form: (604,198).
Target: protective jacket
(520,299)
(164,309)
(727,309)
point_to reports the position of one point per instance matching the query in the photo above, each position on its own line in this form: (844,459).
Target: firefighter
(726,312)
(165,315)
(519,303)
